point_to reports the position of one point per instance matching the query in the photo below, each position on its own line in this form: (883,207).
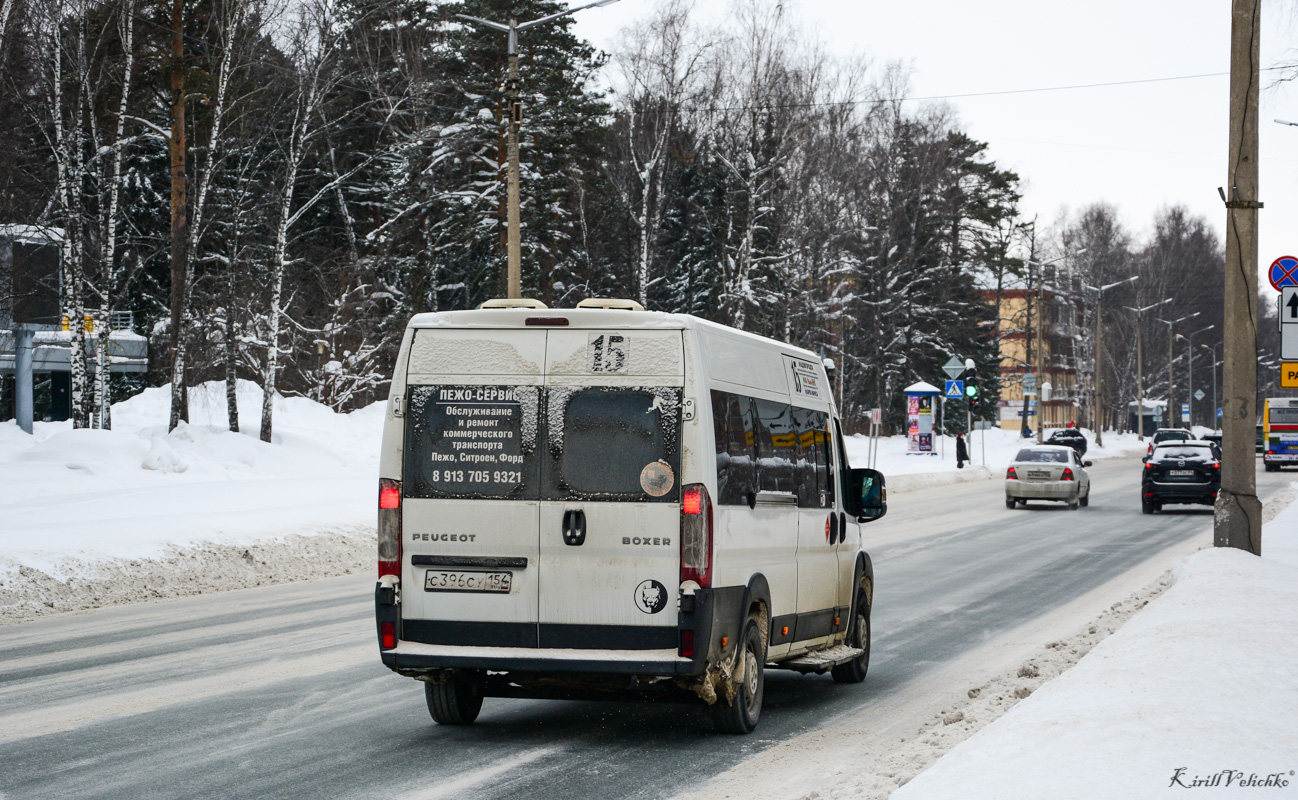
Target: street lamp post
(512,86)
(1189,366)
(1140,367)
(1216,362)
(1171,381)
(1099,355)
(1041,349)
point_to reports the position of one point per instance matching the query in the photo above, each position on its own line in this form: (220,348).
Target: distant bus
(1280,432)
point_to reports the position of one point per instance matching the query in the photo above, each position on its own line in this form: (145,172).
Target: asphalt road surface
(278,692)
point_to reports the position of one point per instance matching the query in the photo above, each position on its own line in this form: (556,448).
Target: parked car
(1070,437)
(1167,435)
(1180,472)
(1048,472)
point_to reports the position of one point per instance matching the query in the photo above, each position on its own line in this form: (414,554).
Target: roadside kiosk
(921,398)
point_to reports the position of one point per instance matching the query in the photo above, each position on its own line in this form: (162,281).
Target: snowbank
(999,448)
(1198,690)
(94,517)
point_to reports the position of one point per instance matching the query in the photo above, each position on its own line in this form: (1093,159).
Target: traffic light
(971,394)
(973,402)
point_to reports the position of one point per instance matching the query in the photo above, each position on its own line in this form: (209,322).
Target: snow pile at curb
(914,481)
(96,517)
(1202,685)
(1000,448)
(908,473)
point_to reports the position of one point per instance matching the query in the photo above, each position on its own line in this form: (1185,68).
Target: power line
(964,95)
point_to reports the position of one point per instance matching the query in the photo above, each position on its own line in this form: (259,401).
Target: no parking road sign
(1283,272)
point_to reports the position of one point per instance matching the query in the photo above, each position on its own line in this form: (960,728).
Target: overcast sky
(1140,147)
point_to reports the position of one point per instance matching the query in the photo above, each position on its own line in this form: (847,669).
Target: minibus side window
(777,447)
(733,430)
(471,442)
(613,443)
(814,490)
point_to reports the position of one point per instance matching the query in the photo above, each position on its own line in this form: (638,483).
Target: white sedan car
(1047,472)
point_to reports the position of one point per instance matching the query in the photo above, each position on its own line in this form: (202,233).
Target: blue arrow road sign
(954,389)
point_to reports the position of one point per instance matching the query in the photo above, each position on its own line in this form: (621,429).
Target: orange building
(1046,348)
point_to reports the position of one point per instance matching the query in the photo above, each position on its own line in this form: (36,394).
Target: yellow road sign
(1289,375)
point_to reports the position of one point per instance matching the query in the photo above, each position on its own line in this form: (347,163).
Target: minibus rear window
(613,443)
(471,442)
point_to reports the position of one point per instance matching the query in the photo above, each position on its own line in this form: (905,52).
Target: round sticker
(657,479)
(651,596)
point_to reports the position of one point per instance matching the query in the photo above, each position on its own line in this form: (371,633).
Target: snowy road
(277,692)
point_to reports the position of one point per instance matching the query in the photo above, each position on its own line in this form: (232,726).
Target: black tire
(1010,502)
(1085,500)
(1272,467)
(1073,504)
(854,671)
(740,717)
(1146,507)
(458,700)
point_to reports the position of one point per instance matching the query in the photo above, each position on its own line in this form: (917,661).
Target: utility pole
(179,218)
(1097,408)
(1041,350)
(1238,517)
(513,84)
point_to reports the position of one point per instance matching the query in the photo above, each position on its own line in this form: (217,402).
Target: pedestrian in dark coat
(961,452)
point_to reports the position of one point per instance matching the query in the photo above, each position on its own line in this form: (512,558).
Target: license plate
(467,580)
(1040,475)
(1180,473)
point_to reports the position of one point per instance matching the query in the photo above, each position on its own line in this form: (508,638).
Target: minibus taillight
(696,535)
(389,527)
(388,635)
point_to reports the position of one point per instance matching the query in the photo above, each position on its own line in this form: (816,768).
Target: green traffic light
(970,390)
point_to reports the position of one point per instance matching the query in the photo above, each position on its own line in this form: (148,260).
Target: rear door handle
(574,527)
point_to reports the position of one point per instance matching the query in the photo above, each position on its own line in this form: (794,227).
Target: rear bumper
(1205,493)
(1042,490)
(416,656)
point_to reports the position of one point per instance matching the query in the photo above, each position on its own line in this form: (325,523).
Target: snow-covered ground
(995,451)
(93,508)
(1198,690)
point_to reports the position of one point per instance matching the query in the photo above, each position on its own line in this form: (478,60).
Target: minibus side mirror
(867,496)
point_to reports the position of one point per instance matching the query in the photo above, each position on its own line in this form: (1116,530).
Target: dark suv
(1070,437)
(1180,472)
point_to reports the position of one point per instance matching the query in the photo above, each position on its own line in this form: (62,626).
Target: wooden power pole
(1238,518)
(179,217)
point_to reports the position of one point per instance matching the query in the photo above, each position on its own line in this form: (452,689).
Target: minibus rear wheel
(458,699)
(741,715)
